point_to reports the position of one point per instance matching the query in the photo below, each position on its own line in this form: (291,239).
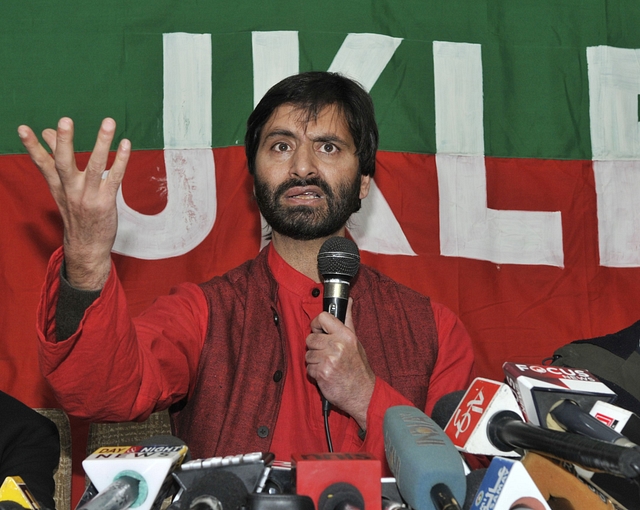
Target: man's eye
(281,147)
(328,148)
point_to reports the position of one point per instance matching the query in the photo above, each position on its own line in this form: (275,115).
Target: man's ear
(365,183)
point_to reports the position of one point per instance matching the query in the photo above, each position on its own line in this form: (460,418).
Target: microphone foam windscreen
(339,256)
(445,407)
(224,486)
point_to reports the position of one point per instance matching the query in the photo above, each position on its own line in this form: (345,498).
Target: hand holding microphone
(335,358)
(338,363)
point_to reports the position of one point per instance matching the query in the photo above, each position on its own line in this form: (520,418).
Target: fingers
(116,174)
(98,161)
(39,154)
(62,147)
(50,137)
(348,320)
(60,165)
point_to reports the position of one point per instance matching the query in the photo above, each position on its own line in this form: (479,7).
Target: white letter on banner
(191,206)
(614,85)
(275,57)
(468,228)
(361,57)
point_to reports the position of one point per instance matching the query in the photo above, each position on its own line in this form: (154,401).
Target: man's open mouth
(304,193)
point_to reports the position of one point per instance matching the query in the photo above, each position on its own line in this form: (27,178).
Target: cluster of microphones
(550,436)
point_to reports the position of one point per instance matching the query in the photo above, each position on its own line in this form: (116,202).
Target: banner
(507,178)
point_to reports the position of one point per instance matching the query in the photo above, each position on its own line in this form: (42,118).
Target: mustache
(312,181)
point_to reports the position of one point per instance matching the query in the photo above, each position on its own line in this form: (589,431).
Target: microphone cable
(326,409)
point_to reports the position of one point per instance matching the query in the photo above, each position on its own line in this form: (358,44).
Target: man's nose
(303,163)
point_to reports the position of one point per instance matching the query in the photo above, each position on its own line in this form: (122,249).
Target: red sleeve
(454,370)
(455,366)
(114,368)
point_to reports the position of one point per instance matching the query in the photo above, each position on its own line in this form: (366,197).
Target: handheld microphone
(422,458)
(338,263)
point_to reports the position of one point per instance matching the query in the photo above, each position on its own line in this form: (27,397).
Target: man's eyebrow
(331,138)
(278,132)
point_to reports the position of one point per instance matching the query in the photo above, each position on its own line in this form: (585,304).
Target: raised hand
(86,198)
(337,361)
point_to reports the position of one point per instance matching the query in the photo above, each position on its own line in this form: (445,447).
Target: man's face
(306,180)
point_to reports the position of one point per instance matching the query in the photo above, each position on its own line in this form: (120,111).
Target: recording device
(334,481)
(338,263)
(538,388)
(466,415)
(422,457)
(505,486)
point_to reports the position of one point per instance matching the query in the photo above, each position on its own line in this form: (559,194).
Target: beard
(302,222)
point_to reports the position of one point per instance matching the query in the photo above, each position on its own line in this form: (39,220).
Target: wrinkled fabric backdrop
(507,179)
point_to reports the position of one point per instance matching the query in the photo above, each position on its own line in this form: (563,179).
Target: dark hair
(312,92)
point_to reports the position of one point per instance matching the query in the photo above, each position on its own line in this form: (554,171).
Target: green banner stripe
(90,61)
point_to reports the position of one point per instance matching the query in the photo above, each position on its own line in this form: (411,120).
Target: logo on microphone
(468,414)
(609,421)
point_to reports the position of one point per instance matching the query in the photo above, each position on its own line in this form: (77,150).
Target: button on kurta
(276,319)
(263,431)
(277,375)
(315,292)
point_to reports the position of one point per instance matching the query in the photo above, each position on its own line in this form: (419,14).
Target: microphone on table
(132,476)
(428,469)
(506,485)
(538,388)
(466,415)
(566,415)
(15,495)
(338,263)
(473,415)
(505,431)
(219,490)
(621,420)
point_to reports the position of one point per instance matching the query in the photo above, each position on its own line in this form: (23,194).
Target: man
(29,448)
(241,359)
